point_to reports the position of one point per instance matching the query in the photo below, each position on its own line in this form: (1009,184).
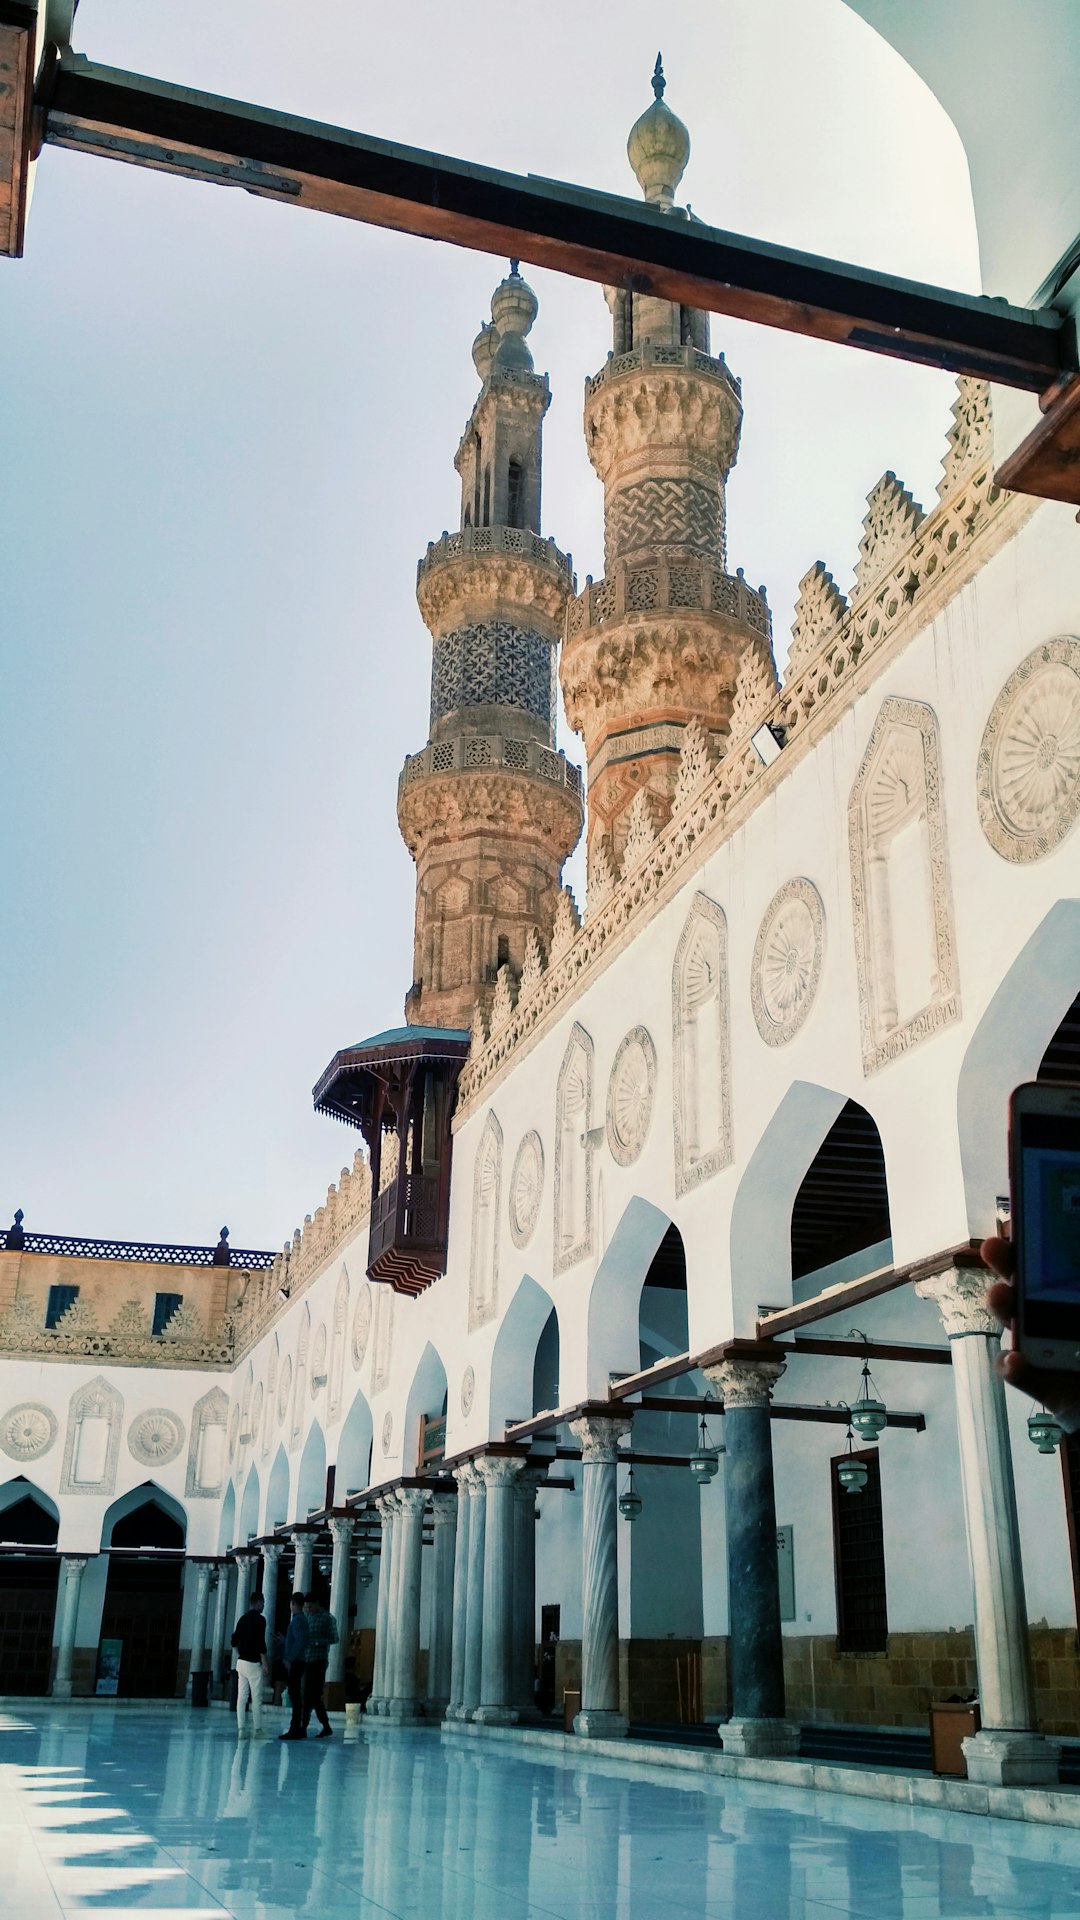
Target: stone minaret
(658,641)
(489,810)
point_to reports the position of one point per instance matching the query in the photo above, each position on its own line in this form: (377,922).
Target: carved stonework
(382,1339)
(892,520)
(526,1188)
(256,1413)
(1028,770)
(640,832)
(155,1437)
(486,1222)
(504,999)
(970,436)
(598,1437)
(284,1389)
(567,923)
(959,1295)
(337,1347)
(755,691)
(28,1431)
(574,1153)
(901,898)
(206,1446)
(478,1031)
(819,611)
(602,881)
(468,1391)
(631,1087)
(786,967)
(532,971)
(748,1382)
(695,766)
(361,1332)
(319,1348)
(271,1398)
(387,1431)
(92,1442)
(700,1029)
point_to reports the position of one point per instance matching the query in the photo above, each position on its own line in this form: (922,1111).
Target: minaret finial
(658,80)
(514,266)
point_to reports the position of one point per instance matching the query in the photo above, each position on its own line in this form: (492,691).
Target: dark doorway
(859,1554)
(28,1588)
(143,1600)
(842,1205)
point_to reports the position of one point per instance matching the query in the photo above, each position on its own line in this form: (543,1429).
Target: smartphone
(1044,1168)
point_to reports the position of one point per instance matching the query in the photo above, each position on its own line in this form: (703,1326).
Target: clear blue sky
(228,435)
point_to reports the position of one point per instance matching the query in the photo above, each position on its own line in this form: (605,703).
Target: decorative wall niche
(631,1087)
(574,1153)
(206,1446)
(337,1346)
(1028,770)
(382,1338)
(901,900)
(92,1443)
(361,1332)
(700,1026)
(486,1198)
(270,1403)
(300,1378)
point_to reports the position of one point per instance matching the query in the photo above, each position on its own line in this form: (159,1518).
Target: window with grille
(515,495)
(165,1305)
(487,496)
(60,1299)
(859,1553)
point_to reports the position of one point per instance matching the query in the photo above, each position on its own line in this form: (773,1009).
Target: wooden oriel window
(859,1557)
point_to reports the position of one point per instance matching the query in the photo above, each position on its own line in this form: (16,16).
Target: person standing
(322,1635)
(296,1640)
(249,1639)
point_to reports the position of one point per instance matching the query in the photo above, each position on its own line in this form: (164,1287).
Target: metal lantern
(630,1502)
(869,1416)
(851,1473)
(1044,1431)
(363,1576)
(705,1463)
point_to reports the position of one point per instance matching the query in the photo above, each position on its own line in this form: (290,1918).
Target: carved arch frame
(96,1399)
(486,1224)
(579,1049)
(690,1171)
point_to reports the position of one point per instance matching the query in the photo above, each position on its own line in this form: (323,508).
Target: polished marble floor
(161,1814)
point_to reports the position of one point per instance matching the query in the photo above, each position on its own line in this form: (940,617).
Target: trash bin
(951,1721)
(571,1707)
(200,1687)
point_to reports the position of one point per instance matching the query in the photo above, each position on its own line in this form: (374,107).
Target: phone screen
(1050,1224)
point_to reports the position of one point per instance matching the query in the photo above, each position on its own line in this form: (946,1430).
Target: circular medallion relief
(155,1437)
(468,1391)
(284,1389)
(630,1096)
(318,1361)
(786,967)
(27,1431)
(387,1431)
(526,1188)
(1028,772)
(361,1326)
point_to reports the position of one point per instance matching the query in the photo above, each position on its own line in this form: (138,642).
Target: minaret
(489,810)
(658,641)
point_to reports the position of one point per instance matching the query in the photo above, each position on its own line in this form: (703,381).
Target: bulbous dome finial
(514,307)
(659,146)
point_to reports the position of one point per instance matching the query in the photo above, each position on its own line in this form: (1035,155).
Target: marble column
(341,1532)
(1008,1751)
(440,1650)
(304,1548)
(197,1655)
(499,1473)
(474,1605)
(380,1680)
(755,1641)
(271,1560)
(599,1436)
(220,1582)
(461,1594)
(523,1657)
(404,1702)
(72,1568)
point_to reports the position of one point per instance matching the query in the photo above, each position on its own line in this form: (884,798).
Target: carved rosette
(1028,770)
(28,1431)
(284,1389)
(468,1391)
(786,967)
(361,1332)
(631,1087)
(526,1188)
(387,1431)
(155,1437)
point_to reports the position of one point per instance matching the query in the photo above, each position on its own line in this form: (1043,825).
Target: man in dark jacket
(296,1640)
(322,1635)
(249,1639)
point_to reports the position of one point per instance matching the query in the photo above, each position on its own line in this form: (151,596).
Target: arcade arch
(249,1509)
(277,1492)
(611,1341)
(227,1525)
(311,1477)
(144,1534)
(514,1359)
(353,1465)
(28,1585)
(426,1402)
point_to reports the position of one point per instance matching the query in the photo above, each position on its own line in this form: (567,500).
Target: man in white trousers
(249,1639)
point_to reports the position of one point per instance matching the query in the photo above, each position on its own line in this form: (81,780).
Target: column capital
(341,1530)
(443,1510)
(386,1506)
(470,1477)
(411,1500)
(302,1537)
(745,1380)
(499,1469)
(273,1551)
(959,1294)
(599,1435)
(75,1563)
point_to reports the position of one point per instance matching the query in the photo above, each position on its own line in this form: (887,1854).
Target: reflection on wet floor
(113,1812)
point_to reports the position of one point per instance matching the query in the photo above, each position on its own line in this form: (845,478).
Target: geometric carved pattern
(361,1325)
(819,610)
(630,1096)
(970,435)
(1028,770)
(663,513)
(494,664)
(892,521)
(484,1263)
(901,901)
(92,1442)
(383,1338)
(156,1437)
(755,691)
(787,959)
(700,1027)
(27,1431)
(574,1152)
(526,1188)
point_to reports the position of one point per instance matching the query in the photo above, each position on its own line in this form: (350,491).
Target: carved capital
(302,1540)
(599,1435)
(745,1382)
(411,1501)
(959,1294)
(499,1469)
(341,1531)
(272,1553)
(386,1507)
(443,1510)
(75,1566)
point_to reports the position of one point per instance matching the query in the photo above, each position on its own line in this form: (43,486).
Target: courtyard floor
(118,1811)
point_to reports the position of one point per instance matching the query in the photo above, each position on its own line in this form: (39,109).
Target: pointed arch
(611,1341)
(227,1523)
(300,1376)
(138,1501)
(277,1492)
(311,1475)
(702,1047)
(427,1401)
(337,1347)
(514,1356)
(761,1215)
(27,1516)
(352,1468)
(249,1508)
(486,1222)
(573,1183)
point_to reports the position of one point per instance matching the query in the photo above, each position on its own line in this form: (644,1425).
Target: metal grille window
(60,1299)
(165,1305)
(859,1553)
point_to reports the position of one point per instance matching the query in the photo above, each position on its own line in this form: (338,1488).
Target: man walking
(296,1640)
(322,1635)
(249,1639)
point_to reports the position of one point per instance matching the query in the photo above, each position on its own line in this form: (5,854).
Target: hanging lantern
(1044,1431)
(630,1502)
(363,1556)
(363,1576)
(705,1463)
(869,1415)
(851,1473)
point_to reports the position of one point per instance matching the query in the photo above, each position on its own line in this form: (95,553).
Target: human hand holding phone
(1055,1389)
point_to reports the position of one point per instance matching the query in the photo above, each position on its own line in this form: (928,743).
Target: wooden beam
(1047,463)
(871,1350)
(18,40)
(601,237)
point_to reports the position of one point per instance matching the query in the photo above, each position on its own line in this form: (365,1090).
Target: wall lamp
(768,741)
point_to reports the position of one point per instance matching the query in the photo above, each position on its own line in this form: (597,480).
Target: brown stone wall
(107,1285)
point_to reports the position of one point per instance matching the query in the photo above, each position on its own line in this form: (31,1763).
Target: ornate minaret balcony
(658,642)
(488,809)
